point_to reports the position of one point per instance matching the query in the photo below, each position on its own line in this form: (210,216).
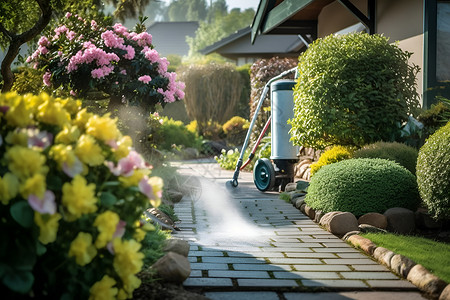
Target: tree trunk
(17,40)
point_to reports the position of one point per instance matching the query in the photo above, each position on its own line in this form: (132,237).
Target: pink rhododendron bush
(72,191)
(82,56)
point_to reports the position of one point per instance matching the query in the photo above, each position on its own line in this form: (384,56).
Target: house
(238,47)
(170,37)
(419,26)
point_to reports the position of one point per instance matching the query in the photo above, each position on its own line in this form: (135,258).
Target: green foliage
(437,116)
(228,159)
(175,62)
(332,155)
(174,132)
(402,154)
(153,245)
(221,27)
(433,173)
(235,130)
(361,186)
(243,106)
(285,197)
(210,92)
(352,90)
(169,211)
(28,80)
(260,73)
(437,263)
(183,10)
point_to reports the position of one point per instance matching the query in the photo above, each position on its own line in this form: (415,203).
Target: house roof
(170,37)
(300,16)
(238,44)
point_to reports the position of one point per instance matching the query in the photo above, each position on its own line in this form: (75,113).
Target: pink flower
(120,29)
(68,14)
(73,93)
(143,39)
(163,64)
(127,165)
(120,231)
(112,40)
(43,41)
(46,78)
(70,35)
(43,50)
(75,169)
(93,24)
(41,139)
(123,72)
(46,205)
(145,188)
(151,54)
(130,52)
(145,79)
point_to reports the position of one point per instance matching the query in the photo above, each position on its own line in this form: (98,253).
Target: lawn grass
(433,255)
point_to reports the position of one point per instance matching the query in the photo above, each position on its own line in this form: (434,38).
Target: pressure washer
(275,173)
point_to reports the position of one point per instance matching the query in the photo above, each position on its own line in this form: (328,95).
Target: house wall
(400,20)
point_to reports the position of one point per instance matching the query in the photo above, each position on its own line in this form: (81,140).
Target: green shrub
(333,155)
(175,133)
(433,173)
(361,186)
(402,154)
(352,90)
(235,130)
(243,106)
(28,80)
(435,117)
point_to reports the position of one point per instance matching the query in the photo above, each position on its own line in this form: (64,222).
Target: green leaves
(22,213)
(18,281)
(348,91)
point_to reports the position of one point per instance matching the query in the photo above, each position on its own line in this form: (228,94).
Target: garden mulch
(246,244)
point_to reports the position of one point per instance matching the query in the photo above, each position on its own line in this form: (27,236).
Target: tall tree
(187,10)
(221,27)
(217,8)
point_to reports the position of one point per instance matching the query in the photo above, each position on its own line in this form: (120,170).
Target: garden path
(246,244)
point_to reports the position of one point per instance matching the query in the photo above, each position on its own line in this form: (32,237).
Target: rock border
(430,284)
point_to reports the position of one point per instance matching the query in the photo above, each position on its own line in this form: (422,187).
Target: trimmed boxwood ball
(361,186)
(403,154)
(433,173)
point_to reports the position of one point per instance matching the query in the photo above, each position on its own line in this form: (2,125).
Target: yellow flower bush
(72,192)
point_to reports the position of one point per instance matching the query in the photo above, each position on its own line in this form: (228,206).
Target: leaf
(19,281)
(108,199)
(22,213)
(40,249)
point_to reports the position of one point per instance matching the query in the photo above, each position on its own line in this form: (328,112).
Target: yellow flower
(52,112)
(9,188)
(103,289)
(134,179)
(123,147)
(157,185)
(68,135)
(82,118)
(88,151)
(24,162)
(82,248)
(48,226)
(34,185)
(127,262)
(70,105)
(18,115)
(79,197)
(19,138)
(63,154)
(104,128)
(106,224)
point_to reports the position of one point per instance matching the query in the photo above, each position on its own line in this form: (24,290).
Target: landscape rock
(173,267)
(426,281)
(310,212)
(307,174)
(325,220)
(400,220)
(318,216)
(190,153)
(290,187)
(299,202)
(342,223)
(445,295)
(161,218)
(366,228)
(178,246)
(349,234)
(302,185)
(401,265)
(364,244)
(383,255)
(295,195)
(425,221)
(374,219)
(302,208)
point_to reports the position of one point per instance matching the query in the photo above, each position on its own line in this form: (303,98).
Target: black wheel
(264,175)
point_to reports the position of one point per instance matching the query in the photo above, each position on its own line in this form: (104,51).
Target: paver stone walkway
(246,244)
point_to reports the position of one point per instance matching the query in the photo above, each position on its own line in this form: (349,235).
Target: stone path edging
(417,274)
